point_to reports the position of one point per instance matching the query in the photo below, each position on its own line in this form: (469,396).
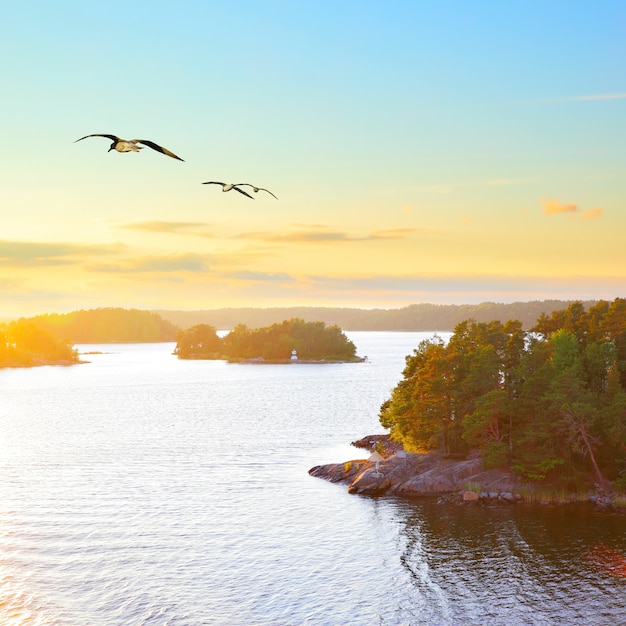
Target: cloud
(391,233)
(314,235)
(592,214)
(38,254)
(591,98)
(552,207)
(176,228)
(278,277)
(598,97)
(160,264)
(296,236)
(465,288)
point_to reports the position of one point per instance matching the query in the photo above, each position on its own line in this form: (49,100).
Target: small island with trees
(24,344)
(539,411)
(290,341)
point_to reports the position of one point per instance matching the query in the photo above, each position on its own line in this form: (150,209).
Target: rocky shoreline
(389,470)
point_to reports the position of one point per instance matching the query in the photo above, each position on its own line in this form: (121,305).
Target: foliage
(22,343)
(310,340)
(550,402)
(415,317)
(198,342)
(108,325)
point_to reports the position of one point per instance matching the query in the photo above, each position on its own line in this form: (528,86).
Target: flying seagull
(130,145)
(256,189)
(235,186)
(228,187)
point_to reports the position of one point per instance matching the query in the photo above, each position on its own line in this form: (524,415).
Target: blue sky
(421,152)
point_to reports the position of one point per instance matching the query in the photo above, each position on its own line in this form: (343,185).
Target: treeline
(550,403)
(310,340)
(416,317)
(107,325)
(23,344)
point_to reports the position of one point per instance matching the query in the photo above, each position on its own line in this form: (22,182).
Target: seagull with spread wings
(256,189)
(236,187)
(130,145)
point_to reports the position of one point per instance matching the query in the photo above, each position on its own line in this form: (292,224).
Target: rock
(508,497)
(338,472)
(414,475)
(370,482)
(470,496)
(383,443)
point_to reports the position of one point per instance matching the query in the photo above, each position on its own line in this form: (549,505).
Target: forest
(415,317)
(107,325)
(274,343)
(23,344)
(548,403)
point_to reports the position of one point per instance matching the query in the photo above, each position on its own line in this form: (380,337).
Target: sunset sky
(449,152)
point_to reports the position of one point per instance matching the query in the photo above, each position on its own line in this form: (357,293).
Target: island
(291,341)
(24,344)
(502,413)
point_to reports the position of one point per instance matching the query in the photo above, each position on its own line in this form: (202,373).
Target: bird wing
(111,137)
(245,193)
(213,182)
(158,148)
(268,191)
(256,188)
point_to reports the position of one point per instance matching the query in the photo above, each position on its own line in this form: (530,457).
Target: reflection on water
(143,490)
(514,564)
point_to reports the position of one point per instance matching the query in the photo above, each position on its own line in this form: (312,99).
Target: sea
(137,489)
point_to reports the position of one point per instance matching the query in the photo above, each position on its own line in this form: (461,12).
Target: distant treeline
(310,340)
(23,344)
(416,317)
(108,325)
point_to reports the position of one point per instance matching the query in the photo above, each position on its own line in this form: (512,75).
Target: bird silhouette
(130,145)
(236,186)
(229,187)
(256,189)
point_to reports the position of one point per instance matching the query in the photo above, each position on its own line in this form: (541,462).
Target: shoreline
(42,363)
(390,471)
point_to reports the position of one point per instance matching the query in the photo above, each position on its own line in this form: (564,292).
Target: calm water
(142,490)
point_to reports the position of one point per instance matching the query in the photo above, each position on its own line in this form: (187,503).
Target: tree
(198,342)
(487,427)
(23,343)
(419,411)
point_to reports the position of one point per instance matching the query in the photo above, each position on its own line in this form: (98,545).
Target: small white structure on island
(294,355)
(376,457)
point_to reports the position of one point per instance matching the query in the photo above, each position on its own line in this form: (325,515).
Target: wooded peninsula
(548,403)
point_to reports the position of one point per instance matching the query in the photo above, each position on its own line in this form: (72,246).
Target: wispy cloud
(590,98)
(264,277)
(197,229)
(315,235)
(158,264)
(296,236)
(38,254)
(592,214)
(597,97)
(391,233)
(552,206)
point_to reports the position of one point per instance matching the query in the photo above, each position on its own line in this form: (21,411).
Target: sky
(450,152)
